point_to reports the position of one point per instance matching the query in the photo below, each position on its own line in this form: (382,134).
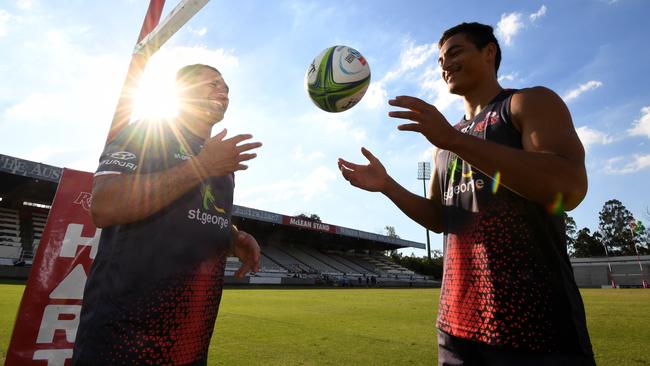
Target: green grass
(370,326)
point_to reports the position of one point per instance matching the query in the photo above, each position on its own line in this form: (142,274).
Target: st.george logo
(209,201)
(209,205)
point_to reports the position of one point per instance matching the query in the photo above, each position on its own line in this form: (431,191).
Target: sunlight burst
(157,96)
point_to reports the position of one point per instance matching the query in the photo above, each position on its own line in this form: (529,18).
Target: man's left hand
(245,247)
(427,120)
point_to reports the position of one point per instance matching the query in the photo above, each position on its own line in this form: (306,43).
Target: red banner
(47,321)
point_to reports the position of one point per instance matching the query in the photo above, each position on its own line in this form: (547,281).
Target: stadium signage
(84,199)
(48,317)
(256,214)
(313,225)
(29,169)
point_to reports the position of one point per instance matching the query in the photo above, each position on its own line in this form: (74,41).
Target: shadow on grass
(13,281)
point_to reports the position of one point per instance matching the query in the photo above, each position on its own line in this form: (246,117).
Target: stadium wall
(627,271)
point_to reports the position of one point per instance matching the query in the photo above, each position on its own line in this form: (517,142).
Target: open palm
(371,177)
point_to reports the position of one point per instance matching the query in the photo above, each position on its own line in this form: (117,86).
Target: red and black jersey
(154,289)
(507,276)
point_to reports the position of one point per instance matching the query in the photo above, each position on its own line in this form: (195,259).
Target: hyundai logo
(123,155)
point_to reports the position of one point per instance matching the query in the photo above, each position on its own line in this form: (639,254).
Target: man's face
(463,65)
(208,96)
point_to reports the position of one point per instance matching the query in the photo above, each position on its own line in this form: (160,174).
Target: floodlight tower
(424,174)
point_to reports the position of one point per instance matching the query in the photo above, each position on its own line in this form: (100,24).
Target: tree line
(619,233)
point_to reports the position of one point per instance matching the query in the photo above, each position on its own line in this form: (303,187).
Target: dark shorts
(454,351)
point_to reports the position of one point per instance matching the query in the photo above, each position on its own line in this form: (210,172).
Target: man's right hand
(372,177)
(221,156)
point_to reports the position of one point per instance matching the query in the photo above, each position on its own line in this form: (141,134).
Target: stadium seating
(330,261)
(386,267)
(361,262)
(349,262)
(10,245)
(285,260)
(627,274)
(38,221)
(311,261)
(268,265)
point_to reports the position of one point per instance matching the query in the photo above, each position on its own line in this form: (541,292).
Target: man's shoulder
(537,91)
(534,98)
(137,132)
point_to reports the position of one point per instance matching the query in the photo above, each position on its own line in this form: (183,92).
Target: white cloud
(306,13)
(411,58)
(437,91)
(376,96)
(303,187)
(509,26)
(299,155)
(574,93)
(590,137)
(198,32)
(45,153)
(171,59)
(618,165)
(25,4)
(508,77)
(336,124)
(40,107)
(5,17)
(642,125)
(540,13)
(74,87)
(427,155)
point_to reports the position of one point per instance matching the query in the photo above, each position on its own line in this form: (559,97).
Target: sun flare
(156,96)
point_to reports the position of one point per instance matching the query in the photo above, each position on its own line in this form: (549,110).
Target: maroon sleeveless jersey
(507,277)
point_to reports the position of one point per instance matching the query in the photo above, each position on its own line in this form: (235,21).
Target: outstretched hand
(221,156)
(428,120)
(245,248)
(371,177)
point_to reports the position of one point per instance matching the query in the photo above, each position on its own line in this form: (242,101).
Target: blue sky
(63,64)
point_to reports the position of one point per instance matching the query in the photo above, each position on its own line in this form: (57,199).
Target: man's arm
(125,198)
(551,165)
(245,247)
(374,178)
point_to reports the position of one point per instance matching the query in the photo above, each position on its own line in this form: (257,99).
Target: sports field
(370,326)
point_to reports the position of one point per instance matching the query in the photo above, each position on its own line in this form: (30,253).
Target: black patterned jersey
(507,277)
(154,289)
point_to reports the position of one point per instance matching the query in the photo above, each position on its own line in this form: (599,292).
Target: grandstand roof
(23,180)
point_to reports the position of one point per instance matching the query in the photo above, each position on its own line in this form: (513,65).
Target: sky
(63,63)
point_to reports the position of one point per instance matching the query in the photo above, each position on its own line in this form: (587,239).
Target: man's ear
(490,52)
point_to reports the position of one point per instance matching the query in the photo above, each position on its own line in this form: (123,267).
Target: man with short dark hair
(163,194)
(503,175)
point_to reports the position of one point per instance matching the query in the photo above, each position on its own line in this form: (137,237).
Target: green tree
(309,217)
(588,245)
(571,231)
(641,237)
(614,227)
(421,265)
(390,231)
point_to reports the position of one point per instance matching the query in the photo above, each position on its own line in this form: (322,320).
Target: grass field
(370,326)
